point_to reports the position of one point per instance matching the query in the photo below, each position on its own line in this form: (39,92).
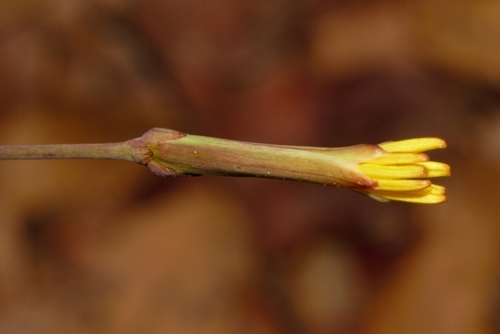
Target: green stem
(121,151)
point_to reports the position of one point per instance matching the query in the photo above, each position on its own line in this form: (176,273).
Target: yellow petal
(393,172)
(402,185)
(415,145)
(436,189)
(399,158)
(435,169)
(412,198)
(432,195)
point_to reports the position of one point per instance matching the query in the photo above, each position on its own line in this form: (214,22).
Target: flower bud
(389,171)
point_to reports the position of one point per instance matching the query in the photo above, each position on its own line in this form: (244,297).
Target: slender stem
(121,151)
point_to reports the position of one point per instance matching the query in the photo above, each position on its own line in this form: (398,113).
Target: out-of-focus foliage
(105,247)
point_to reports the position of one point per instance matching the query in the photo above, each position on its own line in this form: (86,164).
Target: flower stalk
(390,171)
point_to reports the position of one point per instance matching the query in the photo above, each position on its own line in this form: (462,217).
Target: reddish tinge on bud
(389,171)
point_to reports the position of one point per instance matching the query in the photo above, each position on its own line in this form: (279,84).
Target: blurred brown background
(106,247)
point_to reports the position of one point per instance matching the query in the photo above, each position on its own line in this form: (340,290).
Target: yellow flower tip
(415,145)
(399,158)
(399,185)
(393,172)
(435,169)
(426,196)
(402,169)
